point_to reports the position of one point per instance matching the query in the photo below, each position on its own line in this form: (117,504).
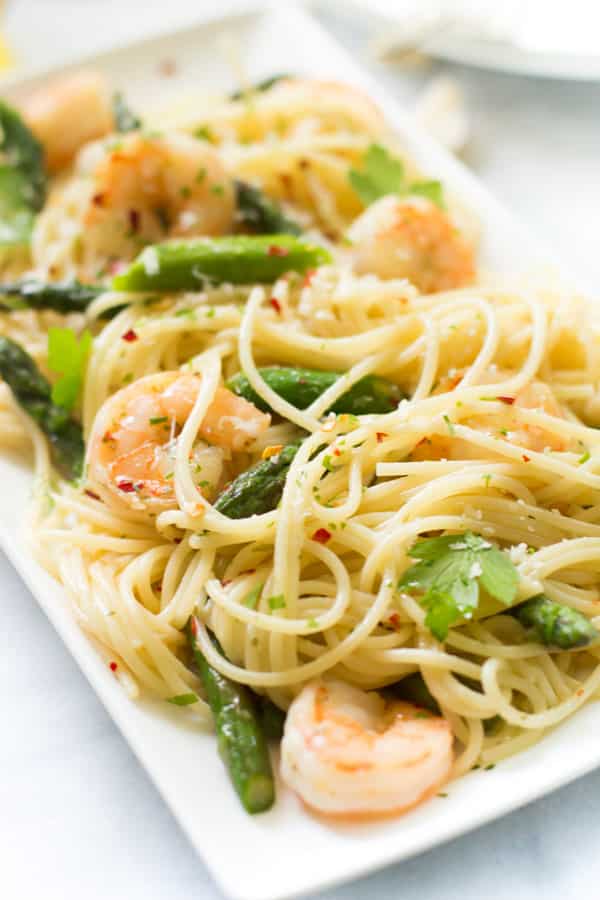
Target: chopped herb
(204,133)
(584,457)
(210,312)
(277,601)
(487,478)
(68,357)
(491,766)
(449,424)
(327,463)
(158,420)
(217,189)
(183,699)
(200,174)
(186,313)
(451,570)
(312,623)
(186,191)
(252,597)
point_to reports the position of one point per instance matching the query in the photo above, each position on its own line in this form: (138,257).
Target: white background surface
(78,817)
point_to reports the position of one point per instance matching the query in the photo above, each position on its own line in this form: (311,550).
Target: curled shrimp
(505,424)
(348,752)
(143,189)
(131,450)
(412,238)
(67,113)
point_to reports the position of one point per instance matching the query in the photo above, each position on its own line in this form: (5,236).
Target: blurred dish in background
(534,37)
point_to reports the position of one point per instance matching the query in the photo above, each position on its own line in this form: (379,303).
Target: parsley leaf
(68,356)
(383,174)
(451,570)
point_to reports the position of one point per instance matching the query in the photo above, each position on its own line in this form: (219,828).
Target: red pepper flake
(380,435)
(91,494)
(337,451)
(167,68)
(193,626)
(134,220)
(112,666)
(321,535)
(394,620)
(526,458)
(276,250)
(125,485)
(579,693)
(507,400)
(276,305)
(98,199)
(226,581)
(308,277)
(130,336)
(115,266)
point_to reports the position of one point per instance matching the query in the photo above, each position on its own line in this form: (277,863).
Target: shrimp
(132,446)
(67,113)
(348,752)
(144,189)
(412,238)
(506,424)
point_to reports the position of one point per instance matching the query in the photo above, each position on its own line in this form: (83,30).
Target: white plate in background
(286,851)
(542,38)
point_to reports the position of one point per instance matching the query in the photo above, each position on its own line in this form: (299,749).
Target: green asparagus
(259,87)
(22,178)
(414,690)
(241,740)
(555,624)
(301,387)
(272,719)
(62,296)
(258,489)
(125,119)
(240,259)
(260,214)
(34,394)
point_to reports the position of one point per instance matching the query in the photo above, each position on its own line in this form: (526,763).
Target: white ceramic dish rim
(336,853)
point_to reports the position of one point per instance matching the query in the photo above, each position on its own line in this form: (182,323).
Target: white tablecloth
(78,817)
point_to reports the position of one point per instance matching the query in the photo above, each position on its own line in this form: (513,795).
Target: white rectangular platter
(286,852)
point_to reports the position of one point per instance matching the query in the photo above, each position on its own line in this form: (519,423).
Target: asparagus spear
(260,87)
(272,719)
(63,296)
(33,393)
(554,624)
(260,214)
(242,744)
(301,387)
(125,119)
(258,489)
(240,259)
(414,690)
(22,178)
